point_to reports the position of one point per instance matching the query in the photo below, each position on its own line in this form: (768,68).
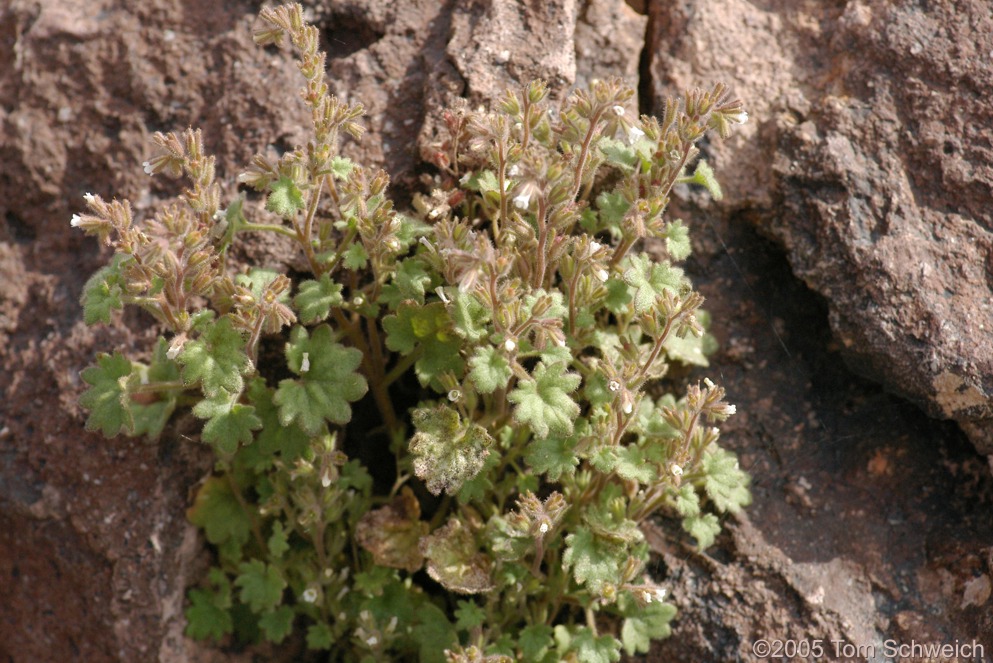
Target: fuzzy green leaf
(277,624)
(613,207)
(325,389)
(288,442)
(544,402)
(506,541)
(107,399)
(429,328)
(261,586)
(278,543)
(484,181)
(554,457)
(704,528)
(469,316)
(595,561)
(229,423)
(341,167)
(687,502)
(480,487)
(704,176)
(690,349)
(102,292)
(646,624)
(319,636)
(469,615)
(446,451)
(433,633)
(650,422)
(726,484)
(650,279)
(489,369)
(618,153)
(316,298)
(677,240)
(151,419)
(356,257)
(217,359)
(284,198)
(618,297)
(632,466)
(411,281)
(205,618)
(592,649)
(534,641)
(218,512)
(411,229)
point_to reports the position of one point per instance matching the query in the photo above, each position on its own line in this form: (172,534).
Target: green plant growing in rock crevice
(517,295)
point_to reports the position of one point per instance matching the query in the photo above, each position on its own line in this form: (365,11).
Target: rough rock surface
(871,161)
(859,499)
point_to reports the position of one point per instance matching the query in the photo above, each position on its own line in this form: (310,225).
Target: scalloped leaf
(327,383)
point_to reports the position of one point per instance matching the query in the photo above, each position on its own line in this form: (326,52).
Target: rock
(877,178)
(609,39)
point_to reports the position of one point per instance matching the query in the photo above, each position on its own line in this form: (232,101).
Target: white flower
(543,528)
(372,641)
(647,596)
(659,594)
(613,385)
(510,345)
(514,171)
(634,135)
(730,409)
(739,118)
(628,407)
(676,470)
(523,199)
(618,111)
(147,167)
(454,395)
(305,362)
(595,246)
(76,221)
(89,198)
(310,595)
(176,346)
(602,274)
(326,480)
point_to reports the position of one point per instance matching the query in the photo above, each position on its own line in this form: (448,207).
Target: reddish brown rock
(868,156)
